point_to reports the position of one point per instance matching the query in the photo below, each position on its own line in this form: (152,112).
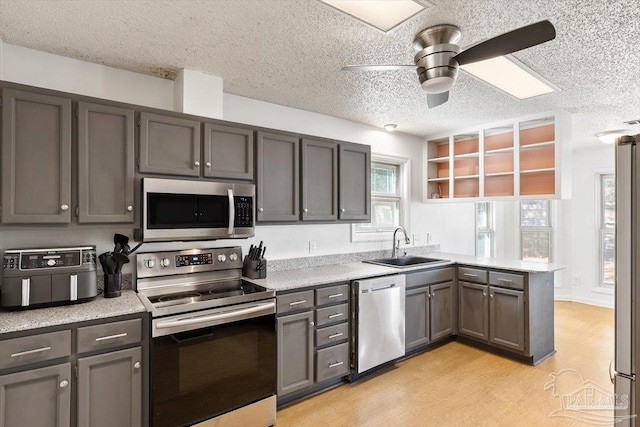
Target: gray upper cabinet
(473,310)
(319,180)
(278,173)
(417,317)
(38,397)
(106,164)
(169,145)
(110,389)
(355,182)
(442,310)
(507,318)
(228,152)
(36,158)
(295,352)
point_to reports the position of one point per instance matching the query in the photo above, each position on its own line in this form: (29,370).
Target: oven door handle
(231,316)
(232,211)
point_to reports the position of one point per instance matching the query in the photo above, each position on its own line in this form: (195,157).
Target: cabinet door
(278,177)
(169,145)
(110,389)
(506,318)
(228,152)
(106,163)
(442,310)
(355,182)
(474,310)
(36,158)
(36,398)
(319,180)
(295,352)
(416,318)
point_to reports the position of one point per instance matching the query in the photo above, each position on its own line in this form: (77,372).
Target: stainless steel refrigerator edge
(626,302)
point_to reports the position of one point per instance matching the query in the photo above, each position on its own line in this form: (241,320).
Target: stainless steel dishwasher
(379,325)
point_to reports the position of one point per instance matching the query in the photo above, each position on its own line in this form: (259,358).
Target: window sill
(603,290)
(382,236)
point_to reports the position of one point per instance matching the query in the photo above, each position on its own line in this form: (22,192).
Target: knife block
(254,269)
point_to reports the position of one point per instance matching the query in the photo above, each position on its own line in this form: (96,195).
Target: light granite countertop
(313,276)
(98,308)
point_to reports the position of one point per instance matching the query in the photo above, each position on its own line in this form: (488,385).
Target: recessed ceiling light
(610,136)
(382,14)
(390,127)
(511,76)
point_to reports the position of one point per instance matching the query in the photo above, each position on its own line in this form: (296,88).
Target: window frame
(488,230)
(603,230)
(537,228)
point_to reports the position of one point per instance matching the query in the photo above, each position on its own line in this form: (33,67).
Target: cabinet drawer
(332,362)
(294,302)
(336,313)
(331,295)
(99,337)
(34,348)
(507,280)
(332,334)
(472,274)
(429,277)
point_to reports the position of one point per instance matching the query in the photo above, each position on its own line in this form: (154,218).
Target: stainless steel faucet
(397,246)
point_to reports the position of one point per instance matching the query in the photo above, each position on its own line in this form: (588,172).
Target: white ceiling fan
(439,56)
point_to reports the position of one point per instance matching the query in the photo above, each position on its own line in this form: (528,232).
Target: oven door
(225,359)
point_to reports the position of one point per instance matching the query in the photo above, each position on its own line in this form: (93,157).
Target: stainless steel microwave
(176,210)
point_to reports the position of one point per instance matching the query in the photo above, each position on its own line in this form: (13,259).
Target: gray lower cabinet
(429,314)
(110,389)
(169,145)
(278,175)
(473,309)
(228,152)
(442,310)
(355,182)
(36,398)
(36,158)
(506,318)
(319,180)
(106,164)
(295,352)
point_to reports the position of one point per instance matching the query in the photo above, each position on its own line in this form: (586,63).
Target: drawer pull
(339,334)
(469,275)
(335,295)
(25,353)
(505,280)
(298,302)
(111,337)
(333,316)
(334,365)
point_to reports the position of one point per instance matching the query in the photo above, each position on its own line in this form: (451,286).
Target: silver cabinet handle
(305,210)
(260,209)
(111,337)
(491,295)
(297,302)
(333,365)
(335,296)
(484,294)
(64,383)
(196,163)
(339,334)
(343,210)
(208,164)
(333,316)
(25,353)
(129,208)
(505,280)
(137,365)
(64,207)
(433,295)
(469,275)
(312,323)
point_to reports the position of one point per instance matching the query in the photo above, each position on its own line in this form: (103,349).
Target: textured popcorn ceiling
(290,52)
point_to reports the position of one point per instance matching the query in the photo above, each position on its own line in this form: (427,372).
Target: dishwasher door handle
(382,288)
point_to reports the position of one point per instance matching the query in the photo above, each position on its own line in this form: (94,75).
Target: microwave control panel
(244,211)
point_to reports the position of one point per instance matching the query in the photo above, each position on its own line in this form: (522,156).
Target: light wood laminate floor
(458,385)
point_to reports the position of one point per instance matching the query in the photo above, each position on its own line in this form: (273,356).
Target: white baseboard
(590,301)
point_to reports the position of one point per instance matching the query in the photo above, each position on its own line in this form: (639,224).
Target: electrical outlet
(428,238)
(416,239)
(575,281)
(313,246)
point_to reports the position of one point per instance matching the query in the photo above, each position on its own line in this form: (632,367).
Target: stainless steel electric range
(213,349)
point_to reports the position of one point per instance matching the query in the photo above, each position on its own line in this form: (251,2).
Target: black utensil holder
(254,269)
(112,285)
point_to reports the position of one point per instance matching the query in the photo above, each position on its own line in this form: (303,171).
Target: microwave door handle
(232,211)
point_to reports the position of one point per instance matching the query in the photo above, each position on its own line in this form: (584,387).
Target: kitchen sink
(403,262)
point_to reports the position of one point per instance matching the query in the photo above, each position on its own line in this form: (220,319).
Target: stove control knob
(233,256)
(150,263)
(165,262)
(222,258)
(51,262)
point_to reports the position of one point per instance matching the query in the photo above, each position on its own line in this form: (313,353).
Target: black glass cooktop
(204,293)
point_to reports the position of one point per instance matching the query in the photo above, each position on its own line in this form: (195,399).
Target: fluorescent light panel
(382,14)
(511,76)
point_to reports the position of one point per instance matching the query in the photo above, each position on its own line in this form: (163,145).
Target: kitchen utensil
(117,248)
(120,260)
(111,263)
(103,261)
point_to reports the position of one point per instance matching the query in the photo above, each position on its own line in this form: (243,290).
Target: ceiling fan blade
(378,67)
(435,99)
(513,41)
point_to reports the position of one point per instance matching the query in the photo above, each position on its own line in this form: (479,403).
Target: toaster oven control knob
(151,263)
(51,262)
(222,258)
(233,257)
(165,262)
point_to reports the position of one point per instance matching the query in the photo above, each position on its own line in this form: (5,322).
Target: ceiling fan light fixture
(384,15)
(390,127)
(610,136)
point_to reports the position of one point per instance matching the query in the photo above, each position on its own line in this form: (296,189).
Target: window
(388,190)
(484,229)
(535,230)
(607,183)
